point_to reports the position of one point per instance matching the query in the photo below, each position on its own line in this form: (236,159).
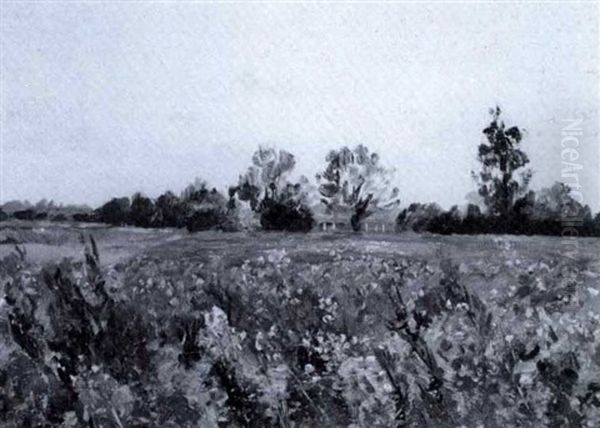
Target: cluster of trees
(266,187)
(197,208)
(543,213)
(509,206)
(352,186)
(353,183)
(265,190)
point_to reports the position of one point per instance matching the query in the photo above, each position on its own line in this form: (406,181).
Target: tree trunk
(356,222)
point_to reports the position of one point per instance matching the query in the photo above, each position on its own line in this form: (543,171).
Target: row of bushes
(553,213)
(199,210)
(455,222)
(31,214)
(170,211)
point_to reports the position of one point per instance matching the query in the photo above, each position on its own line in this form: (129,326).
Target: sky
(102,99)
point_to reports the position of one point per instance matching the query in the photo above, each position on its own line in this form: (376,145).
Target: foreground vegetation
(281,338)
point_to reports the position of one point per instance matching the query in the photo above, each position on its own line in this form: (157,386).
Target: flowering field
(263,330)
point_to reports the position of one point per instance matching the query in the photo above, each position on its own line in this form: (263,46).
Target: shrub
(170,211)
(206,219)
(288,216)
(59,217)
(207,209)
(474,221)
(446,223)
(142,211)
(417,217)
(72,329)
(86,217)
(27,214)
(115,212)
(41,216)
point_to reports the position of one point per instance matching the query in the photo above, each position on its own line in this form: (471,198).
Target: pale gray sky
(103,99)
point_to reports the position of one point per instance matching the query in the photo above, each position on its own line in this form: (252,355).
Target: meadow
(124,327)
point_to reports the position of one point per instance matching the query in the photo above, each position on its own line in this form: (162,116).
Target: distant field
(479,256)
(49,241)
(46,241)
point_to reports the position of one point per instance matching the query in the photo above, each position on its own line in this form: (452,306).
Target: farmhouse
(381,221)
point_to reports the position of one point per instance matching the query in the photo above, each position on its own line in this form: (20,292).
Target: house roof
(379,215)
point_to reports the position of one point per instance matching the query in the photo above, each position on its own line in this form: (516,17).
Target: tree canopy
(355,179)
(502,178)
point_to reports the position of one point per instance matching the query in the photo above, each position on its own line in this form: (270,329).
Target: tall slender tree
(503,177)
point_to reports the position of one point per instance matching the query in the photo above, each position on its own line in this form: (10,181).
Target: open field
(166,328)
(49,241)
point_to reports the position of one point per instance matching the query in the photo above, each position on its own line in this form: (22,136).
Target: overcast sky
(104,99)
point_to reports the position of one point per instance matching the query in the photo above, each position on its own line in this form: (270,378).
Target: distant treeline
(549,212)
(352,186)
(196,208)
